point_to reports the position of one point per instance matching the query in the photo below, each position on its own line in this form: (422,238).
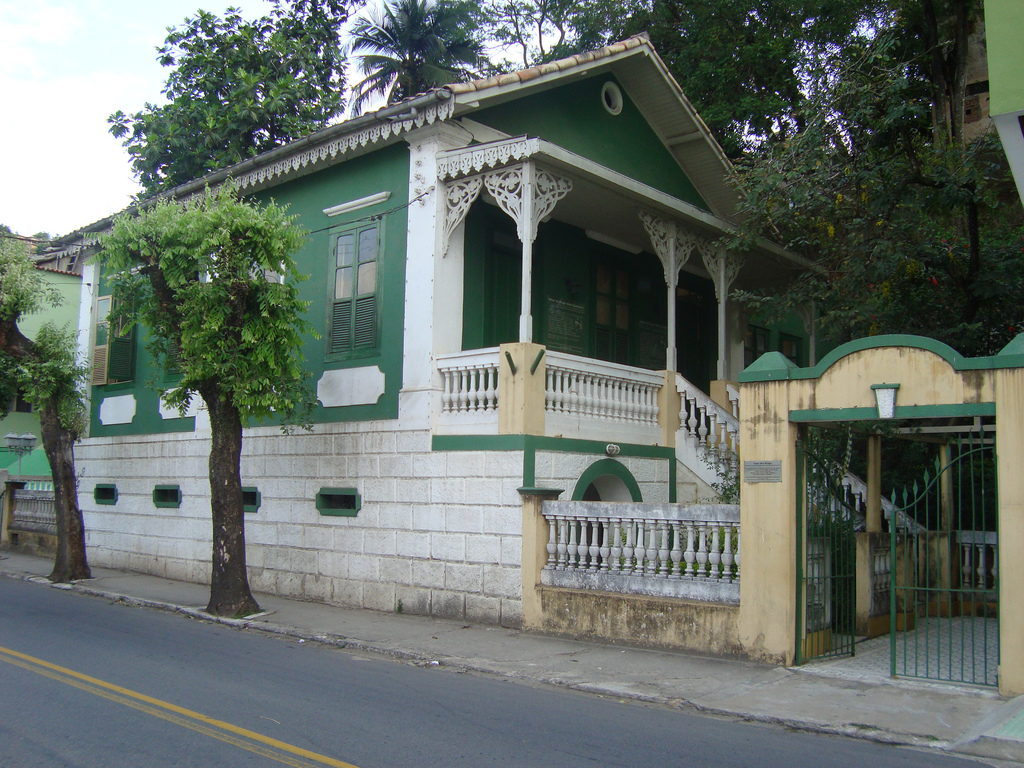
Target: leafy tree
(745,64)
(214,284)
(412,46)
(914,230)
(237,88)
(46,372)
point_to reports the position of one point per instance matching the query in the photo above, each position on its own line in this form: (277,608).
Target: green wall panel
(573,117)
(384,170)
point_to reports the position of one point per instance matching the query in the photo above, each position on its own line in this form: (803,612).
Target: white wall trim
(117,410)
(350,386)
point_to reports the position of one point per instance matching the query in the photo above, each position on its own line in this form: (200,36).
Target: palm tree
(412,46)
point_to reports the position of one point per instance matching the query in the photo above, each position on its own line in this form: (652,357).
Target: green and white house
(520,297)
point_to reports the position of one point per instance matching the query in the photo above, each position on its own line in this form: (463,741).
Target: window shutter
(99,365)
(121,360)
(173,364)
(341,326)
(366,322)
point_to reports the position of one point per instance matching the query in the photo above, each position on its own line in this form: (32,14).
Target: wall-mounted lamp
(885,399)
(20,445)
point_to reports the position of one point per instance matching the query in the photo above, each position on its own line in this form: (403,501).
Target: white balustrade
(708,438)
(600,390)
(979,559)
(673,550)
(470,382)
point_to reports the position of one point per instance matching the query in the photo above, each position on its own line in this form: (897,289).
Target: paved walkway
(964,650)
(827,697)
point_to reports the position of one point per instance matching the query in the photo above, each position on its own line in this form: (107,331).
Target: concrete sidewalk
(962,719)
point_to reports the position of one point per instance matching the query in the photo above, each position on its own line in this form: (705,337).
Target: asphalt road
(87,683)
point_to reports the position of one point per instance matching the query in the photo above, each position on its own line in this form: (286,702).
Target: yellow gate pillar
(767,620)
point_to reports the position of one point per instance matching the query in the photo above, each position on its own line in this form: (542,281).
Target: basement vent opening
(251,500)
(338,502)
(105,493)
(167,496)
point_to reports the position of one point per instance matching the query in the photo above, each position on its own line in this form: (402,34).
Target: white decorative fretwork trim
(661,231)
(507,186)
(346,143)
(355,205)
(722,265)
(548,189)
(481,157)
(459,196)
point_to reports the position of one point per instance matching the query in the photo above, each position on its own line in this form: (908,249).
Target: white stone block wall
(555,469)
(438,533)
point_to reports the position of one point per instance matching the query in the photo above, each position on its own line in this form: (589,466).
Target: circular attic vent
(611,98)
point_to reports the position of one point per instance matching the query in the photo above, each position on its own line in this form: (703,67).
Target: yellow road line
(186,718)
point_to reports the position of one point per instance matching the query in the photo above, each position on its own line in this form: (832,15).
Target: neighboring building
(1006,68)
(569,212)
(21,418)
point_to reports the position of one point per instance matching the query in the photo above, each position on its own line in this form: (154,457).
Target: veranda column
(673,247)
(527,194)
(723,266)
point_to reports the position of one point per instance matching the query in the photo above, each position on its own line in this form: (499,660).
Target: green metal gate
(826,560)
(944,603)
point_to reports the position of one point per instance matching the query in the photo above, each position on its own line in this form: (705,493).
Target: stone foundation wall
(437,533)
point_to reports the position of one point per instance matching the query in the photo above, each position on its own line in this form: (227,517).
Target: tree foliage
(214,283)
(745,64)
(411,46)
(237,88)
(913,229)
(47,374)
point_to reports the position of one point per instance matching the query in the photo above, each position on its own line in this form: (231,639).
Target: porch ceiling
(607,203)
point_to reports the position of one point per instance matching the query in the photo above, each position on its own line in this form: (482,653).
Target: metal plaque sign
(762,471)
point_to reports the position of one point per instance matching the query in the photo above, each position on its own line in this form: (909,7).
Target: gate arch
(779,402)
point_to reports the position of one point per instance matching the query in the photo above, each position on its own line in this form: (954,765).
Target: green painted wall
(573,117)
(384,170)
(66,314)
(1003,20)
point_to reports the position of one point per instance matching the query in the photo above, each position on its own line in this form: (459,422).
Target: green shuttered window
(355,254)
(114,347)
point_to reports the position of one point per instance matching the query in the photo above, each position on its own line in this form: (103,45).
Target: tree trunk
(70,562)
(229,581)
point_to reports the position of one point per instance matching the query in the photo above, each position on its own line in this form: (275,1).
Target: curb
(863,732)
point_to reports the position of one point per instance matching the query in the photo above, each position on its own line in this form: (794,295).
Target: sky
(65,66)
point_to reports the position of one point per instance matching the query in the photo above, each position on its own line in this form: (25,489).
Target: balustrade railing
(979,559)
(708,438)
(881,581)
(34,511)
(671,550)
(601,390)
(470,382)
